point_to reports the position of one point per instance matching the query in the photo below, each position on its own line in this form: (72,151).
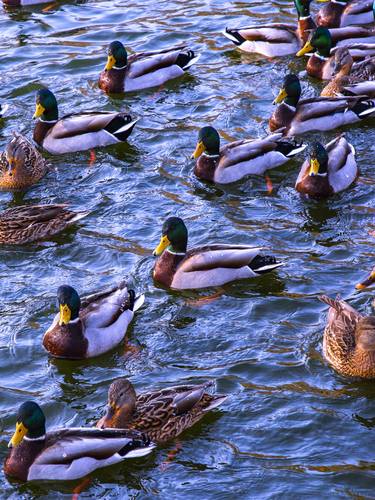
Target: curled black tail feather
(260,261)
(184,58)
(239,39)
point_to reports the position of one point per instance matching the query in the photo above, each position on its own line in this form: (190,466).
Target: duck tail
(138,302)
(217,400)
(76,216)
(290,148)
(364,107)
(234,36)
(121,126)
(262,264)
(334,303)
(187,59)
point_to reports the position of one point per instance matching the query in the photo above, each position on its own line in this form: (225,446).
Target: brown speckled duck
(21,165)
(160,415)
(349,340)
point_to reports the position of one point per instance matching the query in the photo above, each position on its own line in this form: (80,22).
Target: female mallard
(93,326)
(67,453)
(29,223)
(144,70)
(241,158)
(160,415)
(329,169)
(349,79)
(77,132)
(21,165)
(317,113)
(335,14)
(206,266)
(349,340)
(277,39)
(369,281)
(321,62)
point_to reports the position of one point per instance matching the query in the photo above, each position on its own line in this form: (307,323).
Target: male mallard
(369,281)
(349,79)
(345,13)
(160,415)
(206,266)
(93,326)
(21,165)
(29,223)
(67,453)
(283,39)
(349,340)
(329,169)
(241,158)
(144,70)
(317,113)
(77,132)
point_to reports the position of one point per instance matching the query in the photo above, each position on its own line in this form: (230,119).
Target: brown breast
(41,130)
(66,341)
(315,187)
(112,81)
(282,117)
(329,15)
(20,459)
(205,168)
(166,266)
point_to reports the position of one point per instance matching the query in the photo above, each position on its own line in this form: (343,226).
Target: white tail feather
(192,61)
(139,301)
(126,127)
(140,452)
(268,267)
(230,37)
(297,150)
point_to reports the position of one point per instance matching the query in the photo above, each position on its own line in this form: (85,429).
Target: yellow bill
(18,435)
(322,1)
(111,61)
(201,148)
(281,96)
(306,48)
(314,167)
(39,110)
(164,243)
(65,314)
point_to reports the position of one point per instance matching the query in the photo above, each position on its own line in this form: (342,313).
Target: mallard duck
(144,70)
(91,326)
(318,113)
(77,132)
(21,165)
(241,158)
(67,453)
(349,340)
(369,281)
(160,415)
(345,13)
(28,223)
(206,266)
(321,62)
(277,39)
(349,80)
(329,169)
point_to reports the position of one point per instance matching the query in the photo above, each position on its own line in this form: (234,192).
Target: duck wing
(342,165)
(147,62)
(82,123)
(272,33)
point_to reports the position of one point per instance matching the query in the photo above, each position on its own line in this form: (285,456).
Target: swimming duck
(329,169)
(29,223)
(318,113)
(335,14)
(241,158)
(272,40)
(143,70)
(160,415)
(67,453)
(206,266)
(369,281)
(92,326)
(21,165)
(349,80)
(77,132)
(349,340)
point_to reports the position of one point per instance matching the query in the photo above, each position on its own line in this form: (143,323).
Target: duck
(349,80)
(349,340)
(277,39)
(30,223)
(205,266)
(67,453)
(367,282)
(328,170)
(297,116)
(335,14)
(144,70)
(160,415)
(92,326)
(21,164)
(240,158)
(321,63)
(77,132)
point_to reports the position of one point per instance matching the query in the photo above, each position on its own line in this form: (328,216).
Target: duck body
(335,14)
(321,178)
(21,165)
(68,453)
(29,223)
(92,327)
(349,340)
(242,158)
(160,415)
(144,70)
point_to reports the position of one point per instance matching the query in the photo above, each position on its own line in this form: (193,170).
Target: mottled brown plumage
(349,340)
(160,415)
